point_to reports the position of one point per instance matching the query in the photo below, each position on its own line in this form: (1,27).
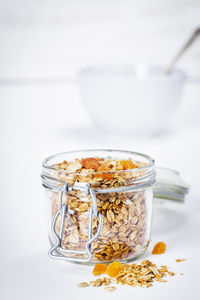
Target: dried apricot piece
(159,248)
(90,163)
(113,269)
(180,259)
(105,176)
(127,164)
(99,269)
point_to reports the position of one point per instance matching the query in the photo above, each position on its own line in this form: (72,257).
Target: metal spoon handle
(194,36)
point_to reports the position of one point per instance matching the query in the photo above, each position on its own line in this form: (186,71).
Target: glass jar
(98,216)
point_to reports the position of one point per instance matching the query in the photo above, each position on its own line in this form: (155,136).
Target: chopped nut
(90,163)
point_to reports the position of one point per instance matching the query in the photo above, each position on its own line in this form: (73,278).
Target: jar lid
(169,185)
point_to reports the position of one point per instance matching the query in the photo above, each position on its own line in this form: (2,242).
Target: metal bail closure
(57,252)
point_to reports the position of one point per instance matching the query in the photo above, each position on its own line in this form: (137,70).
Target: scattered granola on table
(126,215)
(100,282)
(136,275)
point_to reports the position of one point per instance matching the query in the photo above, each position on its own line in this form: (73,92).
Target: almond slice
(90,163)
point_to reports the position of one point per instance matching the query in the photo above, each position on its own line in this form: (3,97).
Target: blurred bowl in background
(131,99)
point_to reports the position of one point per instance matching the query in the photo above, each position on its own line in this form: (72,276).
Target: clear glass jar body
(124,201)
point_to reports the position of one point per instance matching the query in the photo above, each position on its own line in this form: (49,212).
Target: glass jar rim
(150,161)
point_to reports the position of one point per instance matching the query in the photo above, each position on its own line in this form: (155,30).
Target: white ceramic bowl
(130,99)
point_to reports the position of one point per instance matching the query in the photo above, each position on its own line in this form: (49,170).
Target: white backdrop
(42,45)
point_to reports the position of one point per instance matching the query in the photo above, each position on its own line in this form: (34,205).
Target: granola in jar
(122,182)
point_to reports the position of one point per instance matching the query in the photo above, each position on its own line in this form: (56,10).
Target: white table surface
(41,113)
(35,276)
(33,129)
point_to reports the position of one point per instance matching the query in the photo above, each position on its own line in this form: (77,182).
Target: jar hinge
(62,211)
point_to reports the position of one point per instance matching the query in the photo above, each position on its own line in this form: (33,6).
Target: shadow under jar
(102,212)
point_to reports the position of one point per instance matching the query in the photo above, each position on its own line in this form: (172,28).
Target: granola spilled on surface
(100,282)
(126,218)
(141,275)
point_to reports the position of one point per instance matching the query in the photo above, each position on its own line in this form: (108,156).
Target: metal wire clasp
(62,211)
